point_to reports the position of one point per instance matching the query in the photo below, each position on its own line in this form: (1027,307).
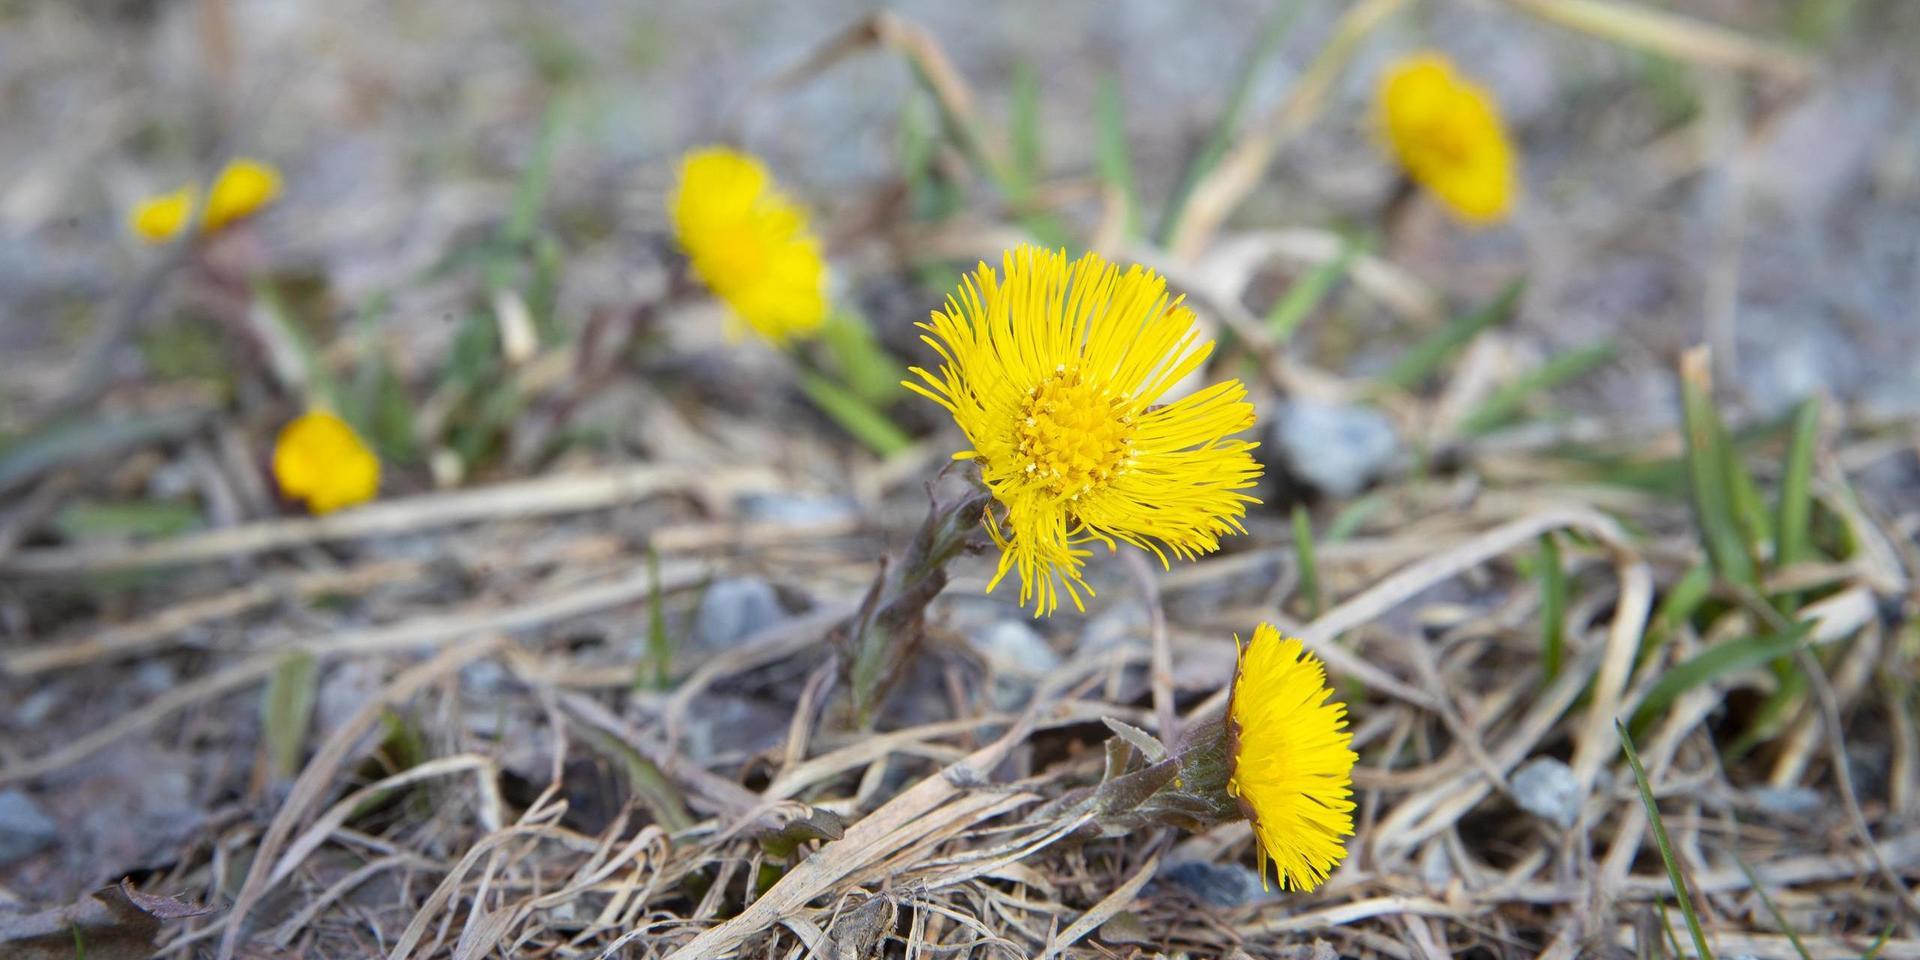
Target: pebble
(1336,449)
(1787,802)
(1017,647)
(1215,884)
(733,609)
(795,508)
(24,829)
(1546,788)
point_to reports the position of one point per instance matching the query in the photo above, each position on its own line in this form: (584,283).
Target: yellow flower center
(1075,435)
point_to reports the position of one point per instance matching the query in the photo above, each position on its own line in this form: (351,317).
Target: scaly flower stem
(881,637)
(1186,789)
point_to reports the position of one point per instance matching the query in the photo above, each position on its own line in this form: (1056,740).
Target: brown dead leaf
(115,923)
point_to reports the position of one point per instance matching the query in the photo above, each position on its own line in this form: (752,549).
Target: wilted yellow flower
(243,187)
(161,217)
(749,243)
(319,459)
(1292,759)
(1446,131)
(1056,378)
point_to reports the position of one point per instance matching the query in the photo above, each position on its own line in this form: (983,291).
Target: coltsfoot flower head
(1056,375)
(161,217)
(749,244)
(1292,759)
(320,460)
(244,187)
(1446,131)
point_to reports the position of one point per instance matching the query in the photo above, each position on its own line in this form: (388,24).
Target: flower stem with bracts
(879,639)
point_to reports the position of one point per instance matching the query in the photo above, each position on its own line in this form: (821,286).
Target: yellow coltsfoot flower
(1056,376)
(749,243)
(1446,131)
(242,189)
(320,460)
(1292,760)
(161,217)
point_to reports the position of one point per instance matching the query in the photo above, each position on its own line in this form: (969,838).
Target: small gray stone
(1336,449)
(1787,802)
(37,706)
(796,509)
(1124,621)
(24,829)
(154,676)
(1017,647)
(484,676)
(1216,884)
(1546,788)
(732,609)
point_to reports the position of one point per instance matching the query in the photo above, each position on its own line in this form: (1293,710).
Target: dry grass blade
(1222,190)
(141,636)
(319,773)
(337,815)
(1103,911)
(532,498)
(1347,913)
(1161,672)
(1676,36)
(874,836)
(897,33)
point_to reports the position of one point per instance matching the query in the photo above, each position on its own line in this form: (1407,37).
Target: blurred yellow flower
(1446,131)
(749,244)
(319,459)
(243,187)
(1056,376)
(161,217)
(1292,760)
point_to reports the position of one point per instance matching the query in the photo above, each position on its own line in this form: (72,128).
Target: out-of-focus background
(472,257)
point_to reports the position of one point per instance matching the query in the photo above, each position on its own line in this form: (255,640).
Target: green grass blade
(931,195)
(1506,403)
(530,195)
(1309,291)
(1553,605)
(1674,874)
(1024,132)
(864,366)
(70,441)
(860,419)
(651,787)
(1221,136)
(1773,910)
(119,519)
(1352,517)
(659,644)
(1755,523)
(1713,662)
(1793,536)
(1709,474)
(286,712)
(1671,940)
(1879,944)
(1676,608)
(1115,157)
(1303,552)
(1425,357)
